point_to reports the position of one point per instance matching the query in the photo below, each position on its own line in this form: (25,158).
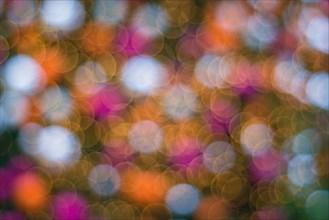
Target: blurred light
(266,166)
(90,77)
(231,15)
(151,20)
(264,6)
(212,208)
(307,141)
(68,205)
(180,102)
(183,199)
(11,215)
(118,151)
(27,138)
(317,33)
(212,71)
(255,138)
(301,170)
(56,144)
(23,74)
(22,12)
(108,101)
(144,187)
(2,3)
(297,86)
(104,180)
(283,74)
(219,157)
(291,78)
(13,109)
(146,136)
(317,205)
(143,74)
(317,90)
(132,42)
(110,12)
(311,1)
(260,31)
(186,154)
(271,212)
(30,192)
(56,104)
(64,15)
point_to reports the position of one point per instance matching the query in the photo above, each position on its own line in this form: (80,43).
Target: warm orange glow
(144,187)
(30,192)
(218,38)
(53,63)
(97,38)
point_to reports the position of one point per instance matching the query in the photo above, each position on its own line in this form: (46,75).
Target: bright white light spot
(301,170)
(143,74)
(255,138)
(146,136)
(180,102)
(151,20)
(183,199)
(317,90)
(110,12)
(104,180)
(56,104)
(317,33)
(64,15)
(219,156)
(212,71)
(56,144)
(23,74)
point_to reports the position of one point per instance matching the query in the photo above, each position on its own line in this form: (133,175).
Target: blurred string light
(164,109)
